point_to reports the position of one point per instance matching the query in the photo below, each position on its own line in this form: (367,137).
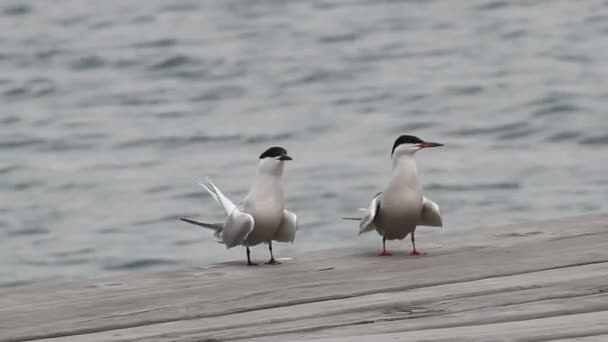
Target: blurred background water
(111,111)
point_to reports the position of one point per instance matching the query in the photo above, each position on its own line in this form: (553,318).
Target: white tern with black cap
(261,217)
(401,207)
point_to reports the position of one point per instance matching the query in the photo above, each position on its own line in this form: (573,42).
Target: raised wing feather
(237,227)
(287,229)
(367,222)
(430,214)
(219,197)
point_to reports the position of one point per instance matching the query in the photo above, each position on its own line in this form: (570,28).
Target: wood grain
(543,281)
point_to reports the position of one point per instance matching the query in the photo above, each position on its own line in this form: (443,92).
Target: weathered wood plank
(500,277)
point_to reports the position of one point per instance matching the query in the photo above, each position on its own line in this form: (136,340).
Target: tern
(261,217)
(401,207)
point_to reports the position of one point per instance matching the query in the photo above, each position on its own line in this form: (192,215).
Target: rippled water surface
(112,110)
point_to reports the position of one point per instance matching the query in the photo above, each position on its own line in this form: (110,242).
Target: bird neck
(404,169)
(268,183)
(270,167)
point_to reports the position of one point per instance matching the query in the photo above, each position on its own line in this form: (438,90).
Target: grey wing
(287,229)
(367,222)
(237,227)
(430,214)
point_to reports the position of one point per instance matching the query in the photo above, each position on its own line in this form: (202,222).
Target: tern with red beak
(401,207)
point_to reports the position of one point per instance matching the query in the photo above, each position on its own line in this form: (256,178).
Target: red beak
(429,144)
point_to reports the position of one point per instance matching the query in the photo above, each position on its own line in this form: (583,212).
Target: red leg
(414,251)
(384,252)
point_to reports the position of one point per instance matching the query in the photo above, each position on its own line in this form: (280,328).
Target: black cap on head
(406,139)
(274,152)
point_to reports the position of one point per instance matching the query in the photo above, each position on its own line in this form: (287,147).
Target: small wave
(329,195)
(172,62)
(87,63)
(150,99)
(100,25)
(320,76)
(575,58)
(72,187)
(411,98)
(189,195)
(220,93)
(51,263)
(517,134)
(73,20)
(557,108)
(339,38)
(182,7)
(63,145)
(9,120)
(108,230)
(72,262)
(17,9)
(47,54)
(15,92)
(596,140)
(464,90)
(492,5)
(125,63)
(172,141)
(174,114)
(158,189)
(122,166)
(148,163)
(28,231)
(415,126)
(564,136)
(81,251)
(85,135)
(145,18)
(189,242)
(22,186)
(474,187)
(552,99)
(157,43)
(490,130)
(16,283)
(140,264)
(318,129)
(369,98)
(9,169)
(514,34)
(37,87)
(268,138)
(166,218)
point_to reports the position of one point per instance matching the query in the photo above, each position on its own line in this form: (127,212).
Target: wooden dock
(545,281)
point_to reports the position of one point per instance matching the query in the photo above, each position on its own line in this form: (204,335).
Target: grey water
(112,111)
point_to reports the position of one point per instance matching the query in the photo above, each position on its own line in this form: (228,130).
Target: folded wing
(287,229)
(236,228)
(430,214)
(238,225)
(367,222)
